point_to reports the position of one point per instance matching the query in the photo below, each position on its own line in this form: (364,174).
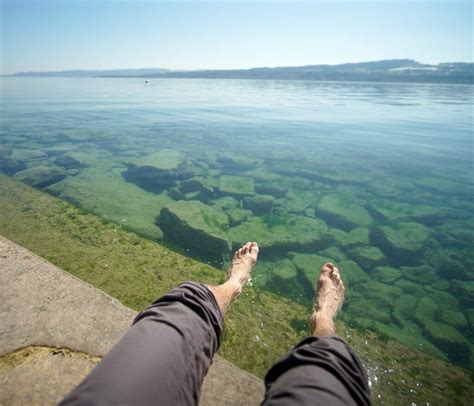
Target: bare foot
(329,300)
(242,263)
(239,274)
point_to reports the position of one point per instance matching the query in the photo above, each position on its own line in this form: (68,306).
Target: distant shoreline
(387,71)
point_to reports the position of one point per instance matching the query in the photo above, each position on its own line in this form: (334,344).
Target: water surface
(377,178)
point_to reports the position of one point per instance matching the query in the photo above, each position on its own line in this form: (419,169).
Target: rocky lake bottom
(377,180)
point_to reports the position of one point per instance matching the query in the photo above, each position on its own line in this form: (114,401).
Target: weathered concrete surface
(53,328)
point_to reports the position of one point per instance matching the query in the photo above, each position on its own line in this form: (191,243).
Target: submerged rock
(196,227)
(238,186)
(386,274)
(271,189)
(401,241)
(284,269)
(157,171)
(259,204)
(464,291)
(237,216)
(41,176)
(449,340)
(367,256)
(420,274)
(281,234)
(342,212)
(197,184)
(357,236)
(452,317)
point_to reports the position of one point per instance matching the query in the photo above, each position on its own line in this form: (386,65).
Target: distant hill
(94,73)
(396,70)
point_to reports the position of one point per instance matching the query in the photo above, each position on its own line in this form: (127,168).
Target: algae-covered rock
(342,212)
(196,227)
(309,264)
(68,162)
(298,200)
(420,274)
(225,203)
(271,189)
(18,154)
(464,291)
(386,274)
(452,317)
(449,340)
(41,176)
(360,306)
(395,210)
(379,293)
(404,308)
(336,255)
(237,216)
(281,234)
(410,287)
(232,163)
(238,186)
(196,184)
(259,204)
(353,272)
(367,256)
(158,171)
(425,310)
(284,269)
(402,240)
(357,236)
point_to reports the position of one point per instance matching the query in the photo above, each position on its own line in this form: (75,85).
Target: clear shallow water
(377,178)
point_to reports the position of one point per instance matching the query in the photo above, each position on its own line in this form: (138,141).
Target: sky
(45,35)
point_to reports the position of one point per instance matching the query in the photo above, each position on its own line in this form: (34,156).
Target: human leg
(164,356)
(322,369)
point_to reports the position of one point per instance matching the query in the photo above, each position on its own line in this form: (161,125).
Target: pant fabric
(164,356)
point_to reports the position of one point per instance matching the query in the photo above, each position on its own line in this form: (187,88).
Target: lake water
(377,178)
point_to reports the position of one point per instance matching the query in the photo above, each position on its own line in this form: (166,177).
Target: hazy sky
(100,34)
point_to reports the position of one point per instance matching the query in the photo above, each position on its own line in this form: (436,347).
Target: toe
(327,268)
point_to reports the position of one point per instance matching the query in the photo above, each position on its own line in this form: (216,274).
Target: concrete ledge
(53,327)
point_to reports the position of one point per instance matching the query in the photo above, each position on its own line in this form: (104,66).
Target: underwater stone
(354,272)
(403,308)
(18,154)
(10,166)
(279,234)
(336,255)
(464,291)
(401,241)
(238,186)
(225,203)
(380,293)
(451,317)
(449,340)
(68,162)
(359,235)
(425,311)
(237,216)
(259,204)
(196,184)
(367,256)
(235,163)
(195,226)
(271,189)
(284,269)
(386,274)
(310,265)
(363,307)
(410,287)
(342,212)
(41,176)
(158,171)
(420,274)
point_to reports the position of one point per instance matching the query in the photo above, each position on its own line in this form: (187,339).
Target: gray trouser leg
(163,357)
(318,371)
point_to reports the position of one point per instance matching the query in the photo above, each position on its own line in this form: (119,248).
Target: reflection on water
(377,178)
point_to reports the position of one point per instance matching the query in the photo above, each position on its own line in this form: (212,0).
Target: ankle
(322,325)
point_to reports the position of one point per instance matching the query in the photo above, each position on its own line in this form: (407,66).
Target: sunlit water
(377,178)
